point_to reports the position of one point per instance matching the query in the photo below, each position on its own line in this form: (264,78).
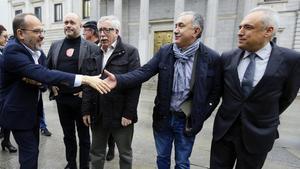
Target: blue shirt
(260,63)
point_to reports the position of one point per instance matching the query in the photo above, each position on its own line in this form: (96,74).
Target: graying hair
(197,18)
(113,19)
(270,17)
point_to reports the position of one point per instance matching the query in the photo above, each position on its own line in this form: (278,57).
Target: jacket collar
(119,50)
(272,66)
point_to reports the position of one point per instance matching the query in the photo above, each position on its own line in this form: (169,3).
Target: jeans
(183,145)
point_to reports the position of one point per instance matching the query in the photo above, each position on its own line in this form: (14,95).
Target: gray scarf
(181,80)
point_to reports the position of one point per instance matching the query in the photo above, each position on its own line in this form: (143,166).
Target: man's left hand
(125,122)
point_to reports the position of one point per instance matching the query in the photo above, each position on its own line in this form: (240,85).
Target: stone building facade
(148,24)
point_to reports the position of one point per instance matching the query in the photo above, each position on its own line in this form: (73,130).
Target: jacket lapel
(272,66)
(234,71)
(119,50)
(28,53)
(56,52)
(82,52)
(201,66)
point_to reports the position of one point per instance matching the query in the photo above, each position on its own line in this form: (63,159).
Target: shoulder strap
(194,70)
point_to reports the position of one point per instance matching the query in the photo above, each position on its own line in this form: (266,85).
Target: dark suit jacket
(87,49)
(205,97)
(19,101)
(259,112)
(108,109)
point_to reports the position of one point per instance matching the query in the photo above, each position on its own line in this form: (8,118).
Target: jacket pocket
(118,66)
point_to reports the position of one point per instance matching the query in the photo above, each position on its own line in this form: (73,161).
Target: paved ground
(285,154)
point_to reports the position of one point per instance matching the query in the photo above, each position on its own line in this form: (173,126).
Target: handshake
(102,86)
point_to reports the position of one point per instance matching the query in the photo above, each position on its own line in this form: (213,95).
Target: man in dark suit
(67,55)
(20,101)
(186,76)
(260,80)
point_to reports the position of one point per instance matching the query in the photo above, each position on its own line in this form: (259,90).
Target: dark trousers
(111,142)
(28,145)
(123,138)
(6,135)
(230,150)
(69,111)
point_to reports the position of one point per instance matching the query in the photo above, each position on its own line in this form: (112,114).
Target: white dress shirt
(108,53)
(260,63)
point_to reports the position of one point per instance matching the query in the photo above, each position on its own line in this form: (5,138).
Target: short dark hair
(2,28)
(19,22)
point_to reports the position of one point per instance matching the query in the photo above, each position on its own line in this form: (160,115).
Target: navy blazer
(19,101)
(259,112)
(205,91)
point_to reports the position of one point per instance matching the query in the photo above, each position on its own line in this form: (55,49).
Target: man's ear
(197,32)
(20,34)
(269,31)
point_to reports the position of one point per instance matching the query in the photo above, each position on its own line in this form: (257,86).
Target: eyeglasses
(105,30)
(37,31)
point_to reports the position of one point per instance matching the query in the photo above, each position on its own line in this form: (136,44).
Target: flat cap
(90,24)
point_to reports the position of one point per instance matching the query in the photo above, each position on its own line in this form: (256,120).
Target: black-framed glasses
(105,30)
(37,31)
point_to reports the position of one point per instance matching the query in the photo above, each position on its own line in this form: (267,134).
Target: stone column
(178,8)
(69,7)
(47,14)
(250,4)
(118,10)
(211,23)
(27,7)
(144,30)
(95,10)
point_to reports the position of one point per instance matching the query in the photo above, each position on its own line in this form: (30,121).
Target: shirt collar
(262,53)
(36,53)
(113,46)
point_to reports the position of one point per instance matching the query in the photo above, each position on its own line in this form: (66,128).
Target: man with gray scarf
(187,73)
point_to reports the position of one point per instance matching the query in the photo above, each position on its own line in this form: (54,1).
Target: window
(58,12)
(86,9)
(18,11)
(38,12)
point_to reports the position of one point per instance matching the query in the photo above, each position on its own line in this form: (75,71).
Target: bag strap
(194,71)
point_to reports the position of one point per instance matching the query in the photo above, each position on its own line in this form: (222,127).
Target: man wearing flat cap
(90,31)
